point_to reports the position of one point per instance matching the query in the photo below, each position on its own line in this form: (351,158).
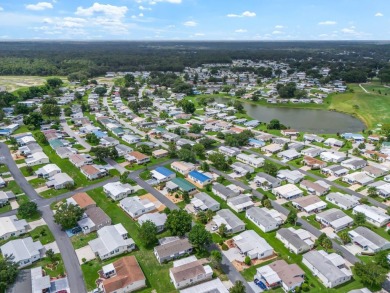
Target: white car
(214,228)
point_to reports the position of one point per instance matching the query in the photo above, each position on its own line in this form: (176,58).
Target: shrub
(247,261)
(224,247)
(305,287)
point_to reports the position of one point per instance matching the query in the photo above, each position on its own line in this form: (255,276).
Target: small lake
(306,120)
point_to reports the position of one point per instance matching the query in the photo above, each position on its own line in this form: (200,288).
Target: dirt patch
(159,206)
(240,266)
(172,198)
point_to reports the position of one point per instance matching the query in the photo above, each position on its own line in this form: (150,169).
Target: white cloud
(277,32)
(190,23)
(199,34)
(327,22)
(379,14)
(350,30)
(39,6)
(1,8)
(106,9)
(153,2)
(244,14)
(279,27)
(141,15)
(144,8)
(240,30)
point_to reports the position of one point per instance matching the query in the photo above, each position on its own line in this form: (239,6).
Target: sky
(195,20)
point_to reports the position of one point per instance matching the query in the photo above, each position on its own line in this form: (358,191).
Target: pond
(306,120)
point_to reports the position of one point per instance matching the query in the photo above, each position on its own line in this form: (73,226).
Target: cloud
(244,14)
(106,9)
(153,2)
(379,14)
(39,6)
(199,34)
(327,22)
(279,27)
(190,23)
(277,32)
(141,15)
(144,8)
(240,30)
(350,30)
(1,8)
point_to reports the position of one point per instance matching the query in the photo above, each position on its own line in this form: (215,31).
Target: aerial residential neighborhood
(192,167)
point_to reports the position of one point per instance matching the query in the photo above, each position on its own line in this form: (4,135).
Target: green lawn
(82,240)
(156,274)
(14,187)
(42,234)
(5,208)
(37,182)
(53,271)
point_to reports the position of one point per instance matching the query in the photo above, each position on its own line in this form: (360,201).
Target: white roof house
(358,178)
(296,240)
(25,251)
(37,159)
(240,203)
(334,157)
(289,155)
(309,204)
(335,219)
(374,215)
(288,191)
(59,181)
(251,244)
(48,170)
(136,206)
(203,202)
(329,268)
(266,219)
(344,201)
(231,221)
(111,241)
(214,285)
(291,176)
(333,142)
(158,219)
(251,160)
(11,226)
(368,240)
(118,190)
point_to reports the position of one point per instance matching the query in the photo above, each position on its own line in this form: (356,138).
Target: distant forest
(79,60)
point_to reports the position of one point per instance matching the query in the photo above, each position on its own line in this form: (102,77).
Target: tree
(27,209)
(370,273)
(207,142)
(8,271)
(148,233)
(50,110)
(41,138)
(199,150)
(50,254)
(199,237)
(187,106)
(92,138)
(270,168)
(345,237)
(186,197)
(124,177)
(237,288)
(382,260)
(247,261)
(238,106)
(292,217)
(372,191)
(359,218)
(172,150)
(274,124)
(222,230)
(68,111)
(201,217)
(54,82)
(186,155)
(327,244)
(215,259)
(34,119)
(29,170)
(179,222)
(196,128)
(101,91)
(67,215)
(204,167)
(219,161)
(267,203)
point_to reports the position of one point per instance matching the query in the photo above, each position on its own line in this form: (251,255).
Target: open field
(13,83)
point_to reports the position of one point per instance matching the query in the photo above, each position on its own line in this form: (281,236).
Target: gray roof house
(93,219)
(368,240)
(232,222)
(240,203)
(158,219)
(266,182)
(251,244)
(171,248)
(60,181)
(11,226)
(25,251)
(135,206)
(329,268)
(112,241)
(222,191)
(344,201)
(267,220)
(203,202)
(335,219)
(298,241)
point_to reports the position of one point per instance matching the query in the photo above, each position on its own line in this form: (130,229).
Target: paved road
(331,183)
(71,133)
(73,270)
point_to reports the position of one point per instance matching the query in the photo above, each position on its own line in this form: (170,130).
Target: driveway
(234,254)
(35,224)
(53,245)
(85,252)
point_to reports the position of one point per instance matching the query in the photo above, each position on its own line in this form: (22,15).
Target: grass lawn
(37,182)
(14,187)
(5,208)
(53,271)
(21,129)
(312,221)
(4,168)
(42,234)
(78,146)
(373,108)
(82,240)
(156,274)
